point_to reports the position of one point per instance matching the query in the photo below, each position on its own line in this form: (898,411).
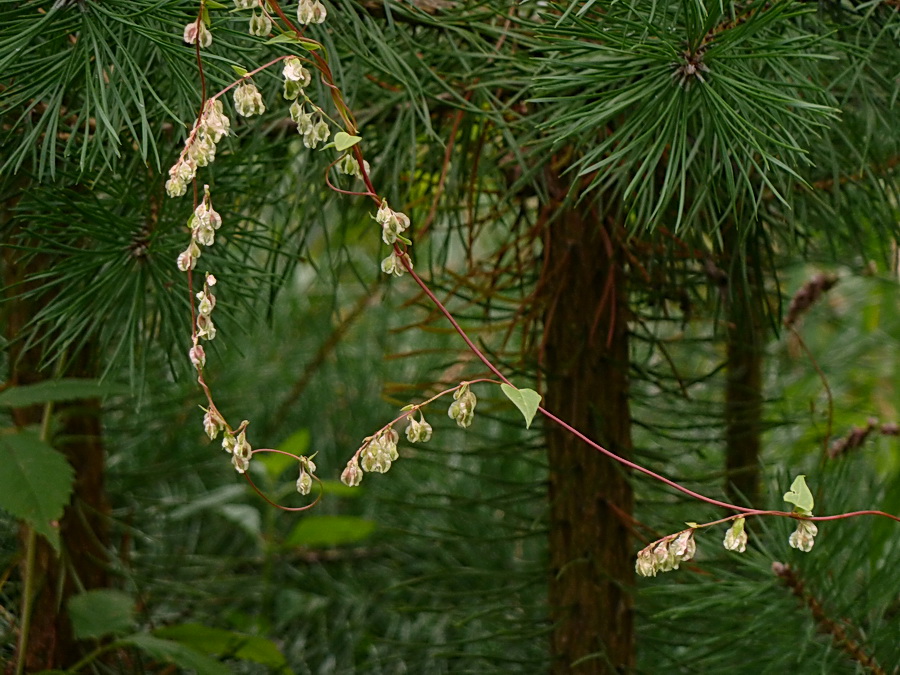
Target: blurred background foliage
(441,566)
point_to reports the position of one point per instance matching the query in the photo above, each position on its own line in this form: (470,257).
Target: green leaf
(328,531)
(67,389)
(526,400)
(177,653)
(344,141)
(691,523)
(241,72)
(212,4)
(204,16)
(310,45)
(101,612)
(35,482)
(800,496)
(223,642)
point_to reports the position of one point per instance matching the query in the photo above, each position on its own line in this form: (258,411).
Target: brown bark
(586,360)
(84,534)
(743,390)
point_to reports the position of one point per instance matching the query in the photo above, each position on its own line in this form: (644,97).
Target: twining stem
(596,446)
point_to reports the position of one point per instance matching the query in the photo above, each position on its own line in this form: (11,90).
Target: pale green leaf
(223,642)
(101,612)
(241,72)
(177,653)
(35,482)
(328,531)
(344,141)
(66,389)
(526,400)
(799,495)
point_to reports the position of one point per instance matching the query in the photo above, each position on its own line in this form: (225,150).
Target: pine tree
(595,160)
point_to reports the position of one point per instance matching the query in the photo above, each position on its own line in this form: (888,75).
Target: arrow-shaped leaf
(526,400)
(344,141)
(800,496)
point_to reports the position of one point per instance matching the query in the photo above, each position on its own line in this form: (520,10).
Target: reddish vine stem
(596,446)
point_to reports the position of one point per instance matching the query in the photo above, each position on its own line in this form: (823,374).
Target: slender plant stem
(29,580)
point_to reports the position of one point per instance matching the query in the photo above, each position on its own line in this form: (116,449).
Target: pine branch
(837,631)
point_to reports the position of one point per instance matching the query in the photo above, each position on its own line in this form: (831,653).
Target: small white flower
(205,327)
(295,71)
(215,122)
(212,423)
(187,259)
(260,24)
(248,101)
(646,563)
(195,32)
(463,407)
(736,537)
(311,11)
(352,474)
(804,536)
(393,264)
(197,356)
(304,482)
(241,453)
(175,187)
(245,4)
(207,301)
(418,431)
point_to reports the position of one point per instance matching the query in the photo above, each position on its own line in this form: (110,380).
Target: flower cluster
(203,223)
(310,125)
(393,264)
(196,32)
(736,537)
(377,453)
(260,24)
(311,11)
(307,474)
(463,407)
(666,554)
(245,4)
(393,223)
(348,166)
(239,448)
(248,101)
(804,536)
(418,431)
(200,147)
(296,78)
(207,301)
(380,452)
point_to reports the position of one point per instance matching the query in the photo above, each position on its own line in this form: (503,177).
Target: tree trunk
(586,359)
(743,390)
(84,533)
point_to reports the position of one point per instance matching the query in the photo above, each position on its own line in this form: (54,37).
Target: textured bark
(84,531)
(743,392)
(586,360)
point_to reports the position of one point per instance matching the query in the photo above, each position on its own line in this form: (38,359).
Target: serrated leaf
(241,72)
(328,531)
(101,612)
(35,482)
(800,496)
(66,389)
(344,141)
(223,642)
(177,653)
(526,400)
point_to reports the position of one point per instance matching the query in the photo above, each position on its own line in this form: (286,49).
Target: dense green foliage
(752,140)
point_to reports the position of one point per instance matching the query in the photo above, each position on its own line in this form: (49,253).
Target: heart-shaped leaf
(526,400)
(800,496)
(344,141)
